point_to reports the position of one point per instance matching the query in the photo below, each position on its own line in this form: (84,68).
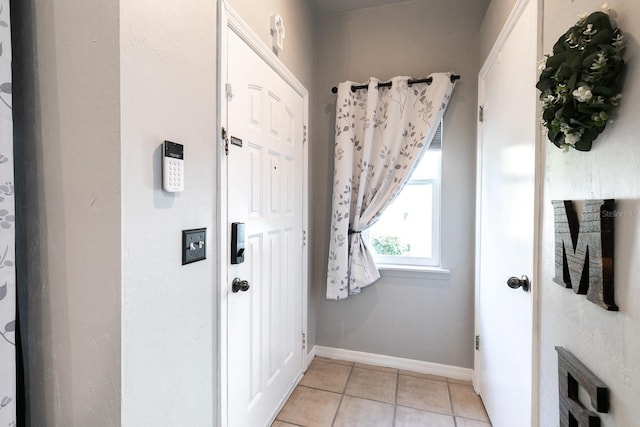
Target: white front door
(506,222)
(264,192)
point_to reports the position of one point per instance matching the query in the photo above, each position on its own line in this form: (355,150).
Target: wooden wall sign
(571,374)
(584,250)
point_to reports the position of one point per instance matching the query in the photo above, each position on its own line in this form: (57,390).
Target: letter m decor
(584,250)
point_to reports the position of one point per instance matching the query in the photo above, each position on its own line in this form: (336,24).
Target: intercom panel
(172,167)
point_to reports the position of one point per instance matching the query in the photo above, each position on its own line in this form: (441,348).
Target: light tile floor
(339,394)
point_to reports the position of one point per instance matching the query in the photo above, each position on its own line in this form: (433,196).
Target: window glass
(408,230)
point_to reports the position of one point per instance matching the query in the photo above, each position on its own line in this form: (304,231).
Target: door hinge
(304,237)
(481,114)
(477,342)
(228,91)
(225,140)
(304,134)
(304,341)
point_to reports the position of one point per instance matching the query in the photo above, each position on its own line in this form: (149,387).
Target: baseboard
(448,371)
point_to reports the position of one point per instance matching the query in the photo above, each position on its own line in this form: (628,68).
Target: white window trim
(414,272)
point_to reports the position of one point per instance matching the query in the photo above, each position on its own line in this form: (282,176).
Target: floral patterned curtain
(381,134)
(7,231)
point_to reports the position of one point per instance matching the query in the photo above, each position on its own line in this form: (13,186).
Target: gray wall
(494,20)
(298,21)
(68,109)
(607,342)
(428,320)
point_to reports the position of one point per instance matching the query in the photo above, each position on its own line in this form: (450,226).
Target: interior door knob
(239,285)
(523,282)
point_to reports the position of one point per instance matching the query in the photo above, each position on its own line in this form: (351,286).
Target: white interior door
(506,222)
(264,191)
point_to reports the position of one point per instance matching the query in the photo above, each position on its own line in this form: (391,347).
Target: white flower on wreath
(572,138)
(583,94)
(599,62)
(547,101)
(589,30)
(542,64)
(582,17)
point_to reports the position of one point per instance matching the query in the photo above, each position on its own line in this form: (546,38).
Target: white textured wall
(68,112)
(607,342)
(168,77)
(119,331)
(429,320)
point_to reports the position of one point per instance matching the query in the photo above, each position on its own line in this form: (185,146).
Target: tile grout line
(318,389)
(453,415)
(344,389)
(335,416)
(395,407)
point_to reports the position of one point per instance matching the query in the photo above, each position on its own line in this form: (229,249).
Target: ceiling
(330,7)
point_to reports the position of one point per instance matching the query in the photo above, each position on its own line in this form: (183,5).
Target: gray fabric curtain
(380,136)
(7,231)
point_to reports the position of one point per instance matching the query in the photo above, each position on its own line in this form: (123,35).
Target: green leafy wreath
(581,82)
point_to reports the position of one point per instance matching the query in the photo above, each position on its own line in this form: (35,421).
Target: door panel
(264,179)
(507,225)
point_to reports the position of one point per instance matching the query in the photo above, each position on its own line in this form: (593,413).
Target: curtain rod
(428,81)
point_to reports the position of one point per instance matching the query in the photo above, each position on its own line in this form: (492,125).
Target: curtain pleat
(381,134)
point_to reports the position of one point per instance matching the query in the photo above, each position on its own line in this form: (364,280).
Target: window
(408,232)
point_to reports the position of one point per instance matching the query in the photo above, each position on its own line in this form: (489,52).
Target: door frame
(229,20)
(494,55)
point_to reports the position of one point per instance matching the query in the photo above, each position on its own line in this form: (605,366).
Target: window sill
(414,272)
